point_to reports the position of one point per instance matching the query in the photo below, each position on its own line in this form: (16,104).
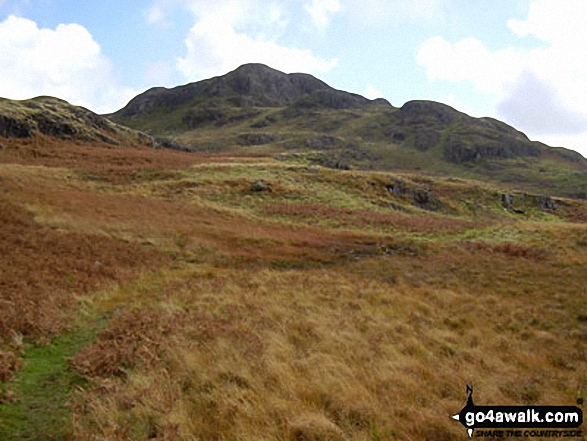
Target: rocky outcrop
(421,196)
(513,203)
(425,140)
(546,203)
(461,147)
(427,112)
(14,128)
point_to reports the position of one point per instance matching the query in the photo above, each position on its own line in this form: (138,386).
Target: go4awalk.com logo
(520,421)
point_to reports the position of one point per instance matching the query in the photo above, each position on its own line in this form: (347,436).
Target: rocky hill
(251,85)
(259,109)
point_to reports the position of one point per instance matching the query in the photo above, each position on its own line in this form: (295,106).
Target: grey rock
(465,147)
(507,200)
(422,196)
(260,186)
(398,187)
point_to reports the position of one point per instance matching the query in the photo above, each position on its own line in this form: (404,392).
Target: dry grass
(392,221)
(43,270)
(325,321)
(132,337)
(331,354)
(98,161)
(39,266)
(8,364)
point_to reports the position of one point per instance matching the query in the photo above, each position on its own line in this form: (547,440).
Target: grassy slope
(56,117)
(327,308)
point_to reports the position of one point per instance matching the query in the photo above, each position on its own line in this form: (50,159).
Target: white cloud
(319,10)
(276,15)
(158,74)
(370,13)
(554,21)
(451,100)
(470,60)
(535,104)
(574,142)
(65,62)
(372,93)
(541,90)
(214,49)
(230,33)
(157,12)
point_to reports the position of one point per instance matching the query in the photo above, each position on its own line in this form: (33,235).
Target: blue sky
(522,61)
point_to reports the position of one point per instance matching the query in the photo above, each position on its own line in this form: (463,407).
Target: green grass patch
(39,410)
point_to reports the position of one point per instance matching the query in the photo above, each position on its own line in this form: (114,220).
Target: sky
(521,61)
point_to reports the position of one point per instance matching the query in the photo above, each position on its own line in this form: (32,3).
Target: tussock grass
(321,354)
(326,308)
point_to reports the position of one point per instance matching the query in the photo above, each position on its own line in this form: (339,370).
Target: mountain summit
(251,85)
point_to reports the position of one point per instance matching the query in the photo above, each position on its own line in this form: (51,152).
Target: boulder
(507,200)
(260,186)
(398,187)
(545,203)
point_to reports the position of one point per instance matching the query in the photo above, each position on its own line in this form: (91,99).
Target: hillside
(54,118)
(256,109)
(251,294)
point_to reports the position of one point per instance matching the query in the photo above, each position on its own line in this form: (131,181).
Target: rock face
(507,201)
(421,196)
(467,139)
(251,85)
(11,127)
(544,203)
(465,147)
